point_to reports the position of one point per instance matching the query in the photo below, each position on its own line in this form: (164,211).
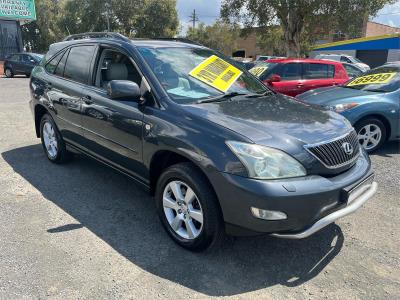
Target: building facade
(13,13)
(374,51)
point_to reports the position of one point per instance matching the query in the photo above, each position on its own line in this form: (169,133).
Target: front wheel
(188,207)
(52,141)
(371,133)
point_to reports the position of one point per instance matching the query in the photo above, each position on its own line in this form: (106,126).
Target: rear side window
(52,64)
(291,71)
(78,63)
(15,57)
(318,71)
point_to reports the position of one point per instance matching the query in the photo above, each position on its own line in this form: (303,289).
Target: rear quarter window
(52,64)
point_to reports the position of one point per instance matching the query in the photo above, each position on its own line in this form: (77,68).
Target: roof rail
(183,40)
(96,35)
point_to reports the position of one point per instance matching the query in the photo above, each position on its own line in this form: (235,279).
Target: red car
(295,76)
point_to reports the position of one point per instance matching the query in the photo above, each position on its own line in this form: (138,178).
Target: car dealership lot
(84,230)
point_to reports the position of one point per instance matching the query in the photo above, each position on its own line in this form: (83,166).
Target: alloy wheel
(369,136)
(8,73)
(50,139)
(183,210)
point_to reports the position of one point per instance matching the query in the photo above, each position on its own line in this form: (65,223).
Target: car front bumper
(310,203)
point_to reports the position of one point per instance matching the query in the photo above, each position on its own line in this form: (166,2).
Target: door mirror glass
(123,90)
(274,78)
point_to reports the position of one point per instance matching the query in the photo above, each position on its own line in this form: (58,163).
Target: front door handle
(87,99)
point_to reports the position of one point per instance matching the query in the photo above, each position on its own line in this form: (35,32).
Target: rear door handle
(87,99)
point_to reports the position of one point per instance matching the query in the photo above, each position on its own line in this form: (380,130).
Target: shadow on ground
(388,149)
(116,210)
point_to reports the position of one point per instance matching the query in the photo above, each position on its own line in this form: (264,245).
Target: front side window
(114,65)
(77,67)
(174,66)
(318,71)
(345,59)
(382,79)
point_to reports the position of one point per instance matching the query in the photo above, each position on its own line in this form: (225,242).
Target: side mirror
(123,89)
(274,78)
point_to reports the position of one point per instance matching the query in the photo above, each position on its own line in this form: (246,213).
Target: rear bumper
(310,203)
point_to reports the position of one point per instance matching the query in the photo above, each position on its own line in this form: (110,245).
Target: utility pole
(193,18)
(108,6)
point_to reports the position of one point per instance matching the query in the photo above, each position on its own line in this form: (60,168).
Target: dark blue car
(371,102)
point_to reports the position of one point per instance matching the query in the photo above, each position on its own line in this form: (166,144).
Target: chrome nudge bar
(355,201)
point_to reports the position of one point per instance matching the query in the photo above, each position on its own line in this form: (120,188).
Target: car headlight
(266,163)
(342,107)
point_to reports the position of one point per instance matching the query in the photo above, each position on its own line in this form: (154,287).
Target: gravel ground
(84,231)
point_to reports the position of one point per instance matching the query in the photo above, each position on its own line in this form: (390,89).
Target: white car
(344,59)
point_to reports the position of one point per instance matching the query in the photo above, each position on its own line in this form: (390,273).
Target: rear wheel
(52,141)
(188,207)
(371,133)
(8,72)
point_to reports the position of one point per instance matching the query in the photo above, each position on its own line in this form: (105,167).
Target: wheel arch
(381,118)
(40,111)
(163,159)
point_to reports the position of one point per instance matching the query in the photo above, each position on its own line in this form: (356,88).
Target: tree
(159,18)
(59,18)
(299,16)
(38,35)
(220,36)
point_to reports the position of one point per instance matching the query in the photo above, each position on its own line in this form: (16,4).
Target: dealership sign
(18,9)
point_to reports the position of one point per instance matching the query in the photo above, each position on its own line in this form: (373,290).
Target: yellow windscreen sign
(380,78)
(257,71)
(216,72)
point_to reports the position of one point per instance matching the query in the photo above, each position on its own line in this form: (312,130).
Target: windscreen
(191,74)
(383,79)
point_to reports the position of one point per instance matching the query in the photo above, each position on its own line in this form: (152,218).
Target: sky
(208,11)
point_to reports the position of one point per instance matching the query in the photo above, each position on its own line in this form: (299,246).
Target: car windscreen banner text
(257,71)
(381,78)
(216,72)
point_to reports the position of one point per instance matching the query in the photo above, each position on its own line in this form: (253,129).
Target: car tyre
(9,73)
(188,208)
(371,133)
(52,141)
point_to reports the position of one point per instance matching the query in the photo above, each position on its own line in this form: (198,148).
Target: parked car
(345,59)
(21,64)
(352,70)
(267,57)
(371,102)
(295,76)
(217,149)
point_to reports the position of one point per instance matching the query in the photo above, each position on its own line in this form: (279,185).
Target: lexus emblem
(348,148)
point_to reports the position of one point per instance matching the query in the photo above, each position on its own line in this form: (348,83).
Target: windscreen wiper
(220,97)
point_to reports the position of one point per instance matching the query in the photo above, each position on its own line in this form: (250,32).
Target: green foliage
(220,36)
(159,19)
(59,18)
(300,19)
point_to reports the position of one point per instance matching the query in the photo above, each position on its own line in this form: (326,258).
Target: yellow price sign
(216,72)
(257,71)
(379,78)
